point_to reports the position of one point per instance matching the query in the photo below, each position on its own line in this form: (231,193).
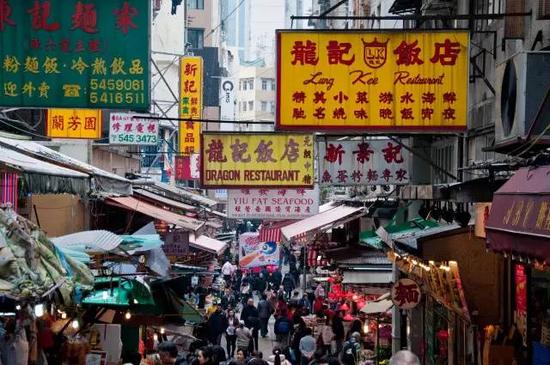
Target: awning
(103,180)
(367,277)
(44,177)
(155,198)
(380,305)
(134,204)
(207,244)
(519,221)
(322,221)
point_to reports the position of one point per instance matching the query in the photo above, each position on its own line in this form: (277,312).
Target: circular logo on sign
(405,294)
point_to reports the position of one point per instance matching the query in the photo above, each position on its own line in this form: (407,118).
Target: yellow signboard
(263,160)
(190,106)
(392,80)
(74,123)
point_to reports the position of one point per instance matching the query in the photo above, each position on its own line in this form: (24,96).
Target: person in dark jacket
(251,319)
(264,312)
(217,323)
(338,330)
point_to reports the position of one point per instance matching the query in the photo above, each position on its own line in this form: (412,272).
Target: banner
(74,123)
(187,167)
(263,160)
(191,78)
(253,253)
(74,54)
(272,203)
(363,162)
(392,80)
(130,129)
(227,103)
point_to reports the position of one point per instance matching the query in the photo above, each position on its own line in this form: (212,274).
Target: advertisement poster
(272,203)
(361,80)
(363,162)
(261,160)
(67,54)
(254,253)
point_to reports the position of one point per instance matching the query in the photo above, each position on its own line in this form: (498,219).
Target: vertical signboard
(385,80)
(227,103)
(74,123)
(191,81)
(75,54)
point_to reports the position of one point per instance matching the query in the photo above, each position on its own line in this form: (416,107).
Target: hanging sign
(363,162)
(74,123)
(272,203)
(255,253)
(406,294)
(392,80)
(262,160)
(190,104)
(130,129)
(75,54)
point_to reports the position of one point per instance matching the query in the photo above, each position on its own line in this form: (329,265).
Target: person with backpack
(282,328)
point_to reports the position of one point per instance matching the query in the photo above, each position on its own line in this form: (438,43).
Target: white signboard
(130,129)
(272,203)
(363,162)
(227,103)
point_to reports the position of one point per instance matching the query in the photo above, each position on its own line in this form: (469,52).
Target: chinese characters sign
(254,253)
(272,203)
(372,80)
(260,160)
(191,74)
(130,129)
(75,54)
(363,162)
(74,123)
(405,294)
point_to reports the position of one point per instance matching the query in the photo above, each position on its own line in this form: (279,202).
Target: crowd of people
(241,315)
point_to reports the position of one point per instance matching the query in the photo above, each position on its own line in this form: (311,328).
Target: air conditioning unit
(522,82)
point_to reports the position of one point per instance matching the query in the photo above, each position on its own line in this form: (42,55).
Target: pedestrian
(168,354)
(339,332)
(282,329)
(264,312)
(288,284)
(244,335)
(307,346)
(217,323)
(251,319)
(230,335)
(205,356)
(404,357)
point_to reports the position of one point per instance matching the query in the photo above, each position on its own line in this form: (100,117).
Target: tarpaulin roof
(320,221)
(152,211)
(103,180)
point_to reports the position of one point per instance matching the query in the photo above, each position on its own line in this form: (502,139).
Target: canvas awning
(155,198)
(519,219)
(136,205)
(42,176)
(367,277)
(207,244)
(322,221)
(103,181)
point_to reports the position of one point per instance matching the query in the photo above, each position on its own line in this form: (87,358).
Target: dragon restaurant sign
(390,81)
(262,160)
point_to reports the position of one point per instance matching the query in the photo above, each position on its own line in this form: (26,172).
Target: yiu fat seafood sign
(263,160)
(272,203)
(389,81)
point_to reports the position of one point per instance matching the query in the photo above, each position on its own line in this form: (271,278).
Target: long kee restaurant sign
(75,54)
(399,81)
(263,160)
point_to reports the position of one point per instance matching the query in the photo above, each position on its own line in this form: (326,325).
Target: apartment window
(264,106)
(250,105)
(195,37)
(195,4)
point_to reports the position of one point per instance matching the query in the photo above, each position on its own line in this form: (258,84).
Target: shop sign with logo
(131,129)
(372,81)
(272,203)
(406,294)
(363,162)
